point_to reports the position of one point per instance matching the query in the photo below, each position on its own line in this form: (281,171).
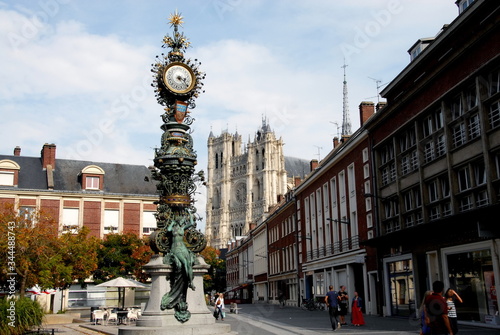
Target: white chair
(113,317)
(98,315)
(132,315)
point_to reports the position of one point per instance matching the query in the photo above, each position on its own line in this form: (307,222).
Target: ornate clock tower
(176,304)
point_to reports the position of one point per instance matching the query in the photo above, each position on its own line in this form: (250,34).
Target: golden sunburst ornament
(175,19)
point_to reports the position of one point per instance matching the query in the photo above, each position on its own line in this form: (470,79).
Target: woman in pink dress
(357,318)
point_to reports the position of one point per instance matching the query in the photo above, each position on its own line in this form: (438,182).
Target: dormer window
(92,183)
(463,5)
(92,178)
(9,173)
(418,47)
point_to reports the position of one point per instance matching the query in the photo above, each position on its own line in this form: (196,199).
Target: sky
(78,73)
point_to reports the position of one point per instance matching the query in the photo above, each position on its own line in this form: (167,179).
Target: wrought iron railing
(339,247)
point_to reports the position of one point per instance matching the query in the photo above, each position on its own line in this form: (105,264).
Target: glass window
(464,179)
(479,173)
(456,107)
(148,222)
(92,183)
(474,126)
(494,114)
(27,212)
(471,274)
(445,186)
(427,126)
(417,197)
(458,135)
(471,98)
(408,201)
(429,151)
(438,117)
(111,221)
(440,146)
(333,191)
(6,178)
(495,82)
(70,220)
(405,165)
(402,289)
(433,191)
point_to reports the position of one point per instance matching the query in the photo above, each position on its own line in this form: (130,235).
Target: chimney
(281,197)
(313,164)
(366,110)
(380,105)
(335,142)
(48,155)
(297,181)
(17,151)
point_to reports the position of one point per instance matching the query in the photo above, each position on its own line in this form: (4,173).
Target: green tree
(215,279)
(27,314)
(122,255)
(31,247)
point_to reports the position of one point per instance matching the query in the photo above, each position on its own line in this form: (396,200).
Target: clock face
(179,78)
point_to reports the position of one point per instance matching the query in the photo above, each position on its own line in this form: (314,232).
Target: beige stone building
(244,181)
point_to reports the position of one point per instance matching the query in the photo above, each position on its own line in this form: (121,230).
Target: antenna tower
(346,123)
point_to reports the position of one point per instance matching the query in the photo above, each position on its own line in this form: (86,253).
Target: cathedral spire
(346,123)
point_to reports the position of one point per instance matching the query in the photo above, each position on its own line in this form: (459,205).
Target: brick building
(105,197)
(412,196)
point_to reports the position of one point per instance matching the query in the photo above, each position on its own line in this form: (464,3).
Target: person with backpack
(436,311)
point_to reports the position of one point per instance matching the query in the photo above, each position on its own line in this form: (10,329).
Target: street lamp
(371,195)
(339,221)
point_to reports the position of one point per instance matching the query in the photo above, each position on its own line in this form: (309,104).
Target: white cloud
(80,75)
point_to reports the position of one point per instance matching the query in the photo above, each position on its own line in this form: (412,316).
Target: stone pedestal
(154,321)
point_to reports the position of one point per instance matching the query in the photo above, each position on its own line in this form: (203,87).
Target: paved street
(264,319)
(270,319)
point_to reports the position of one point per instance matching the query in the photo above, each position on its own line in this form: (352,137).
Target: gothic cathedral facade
(242,183)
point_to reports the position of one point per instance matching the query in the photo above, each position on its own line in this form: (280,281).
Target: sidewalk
(265,319)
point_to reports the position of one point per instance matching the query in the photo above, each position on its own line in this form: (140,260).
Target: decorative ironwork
(177,83)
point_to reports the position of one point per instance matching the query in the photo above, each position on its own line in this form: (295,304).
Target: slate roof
(296,167)
(118,178)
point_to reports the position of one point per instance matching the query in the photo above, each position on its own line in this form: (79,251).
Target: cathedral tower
(242,183)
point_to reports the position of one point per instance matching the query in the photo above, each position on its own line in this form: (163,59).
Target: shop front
(400,281)
(471,271)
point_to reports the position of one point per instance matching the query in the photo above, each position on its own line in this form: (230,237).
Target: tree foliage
(215,279)
(19,315)
(31,247)
(122,255)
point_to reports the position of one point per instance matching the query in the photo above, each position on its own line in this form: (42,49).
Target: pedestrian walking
(357,318)
(219,307)
(436,311)
(282,299)
(451,296)
(343,303)
(424,327)
(332,302)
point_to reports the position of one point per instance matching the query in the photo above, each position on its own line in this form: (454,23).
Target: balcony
(339,247)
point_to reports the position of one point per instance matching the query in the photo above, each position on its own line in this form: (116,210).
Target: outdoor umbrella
(120,282)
